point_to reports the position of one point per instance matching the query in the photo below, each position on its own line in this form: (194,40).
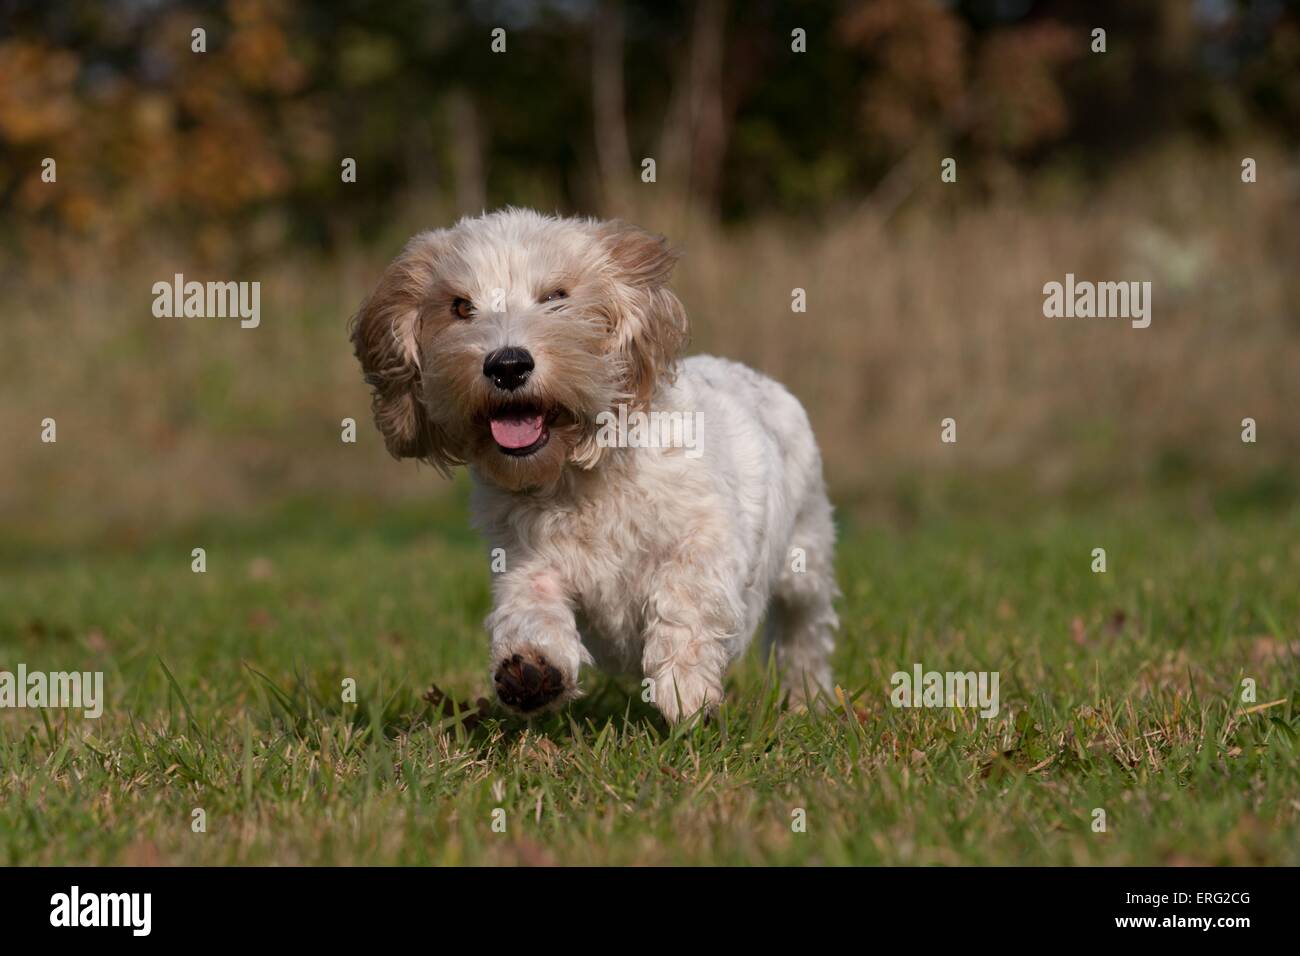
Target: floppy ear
(385,338)
(649,323)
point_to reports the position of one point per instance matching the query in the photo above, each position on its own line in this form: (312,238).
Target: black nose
(508,367)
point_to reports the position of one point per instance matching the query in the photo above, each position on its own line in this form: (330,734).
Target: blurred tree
(238,149)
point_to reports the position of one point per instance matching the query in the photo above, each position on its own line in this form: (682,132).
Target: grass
(1119,691)
(935,314)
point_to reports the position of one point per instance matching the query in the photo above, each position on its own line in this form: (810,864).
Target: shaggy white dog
(511,343)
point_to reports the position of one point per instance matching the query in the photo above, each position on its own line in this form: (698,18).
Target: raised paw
(528,682)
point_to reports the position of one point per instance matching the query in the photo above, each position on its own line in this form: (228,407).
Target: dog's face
(497,342)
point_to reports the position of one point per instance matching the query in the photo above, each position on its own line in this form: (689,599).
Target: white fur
(659,562)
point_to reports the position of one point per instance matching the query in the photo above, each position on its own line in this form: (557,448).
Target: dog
(507,343)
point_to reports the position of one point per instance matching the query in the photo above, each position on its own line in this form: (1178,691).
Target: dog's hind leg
(801,619)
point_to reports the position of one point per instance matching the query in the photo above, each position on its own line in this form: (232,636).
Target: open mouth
(519,431)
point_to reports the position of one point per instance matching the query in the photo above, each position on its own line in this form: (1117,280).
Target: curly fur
(641,560)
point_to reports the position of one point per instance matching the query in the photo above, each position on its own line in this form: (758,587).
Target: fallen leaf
(472,715)
(261,569)
(1078,632)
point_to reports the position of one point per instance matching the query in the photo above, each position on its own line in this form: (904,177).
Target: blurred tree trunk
(613,157)
(694,137)
(465,133)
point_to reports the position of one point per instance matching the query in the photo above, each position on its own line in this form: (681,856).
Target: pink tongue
(517,432)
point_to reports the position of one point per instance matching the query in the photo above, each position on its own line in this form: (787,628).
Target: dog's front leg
(536,650)
(691,620)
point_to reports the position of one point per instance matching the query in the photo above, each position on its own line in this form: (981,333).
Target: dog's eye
(555,296)
(462,308)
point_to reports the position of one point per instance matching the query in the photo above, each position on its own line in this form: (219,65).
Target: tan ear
(385,338)
(650,325)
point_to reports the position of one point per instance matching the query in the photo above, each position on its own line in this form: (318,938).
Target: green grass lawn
(1119,691)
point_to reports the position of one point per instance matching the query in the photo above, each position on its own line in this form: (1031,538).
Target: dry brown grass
(941,315)
(934,314)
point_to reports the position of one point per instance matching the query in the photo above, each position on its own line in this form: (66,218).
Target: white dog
(498,344)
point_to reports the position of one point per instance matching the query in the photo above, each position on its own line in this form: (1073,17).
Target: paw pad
(527,683)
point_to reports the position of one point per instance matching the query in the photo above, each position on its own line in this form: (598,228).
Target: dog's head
(498,341)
